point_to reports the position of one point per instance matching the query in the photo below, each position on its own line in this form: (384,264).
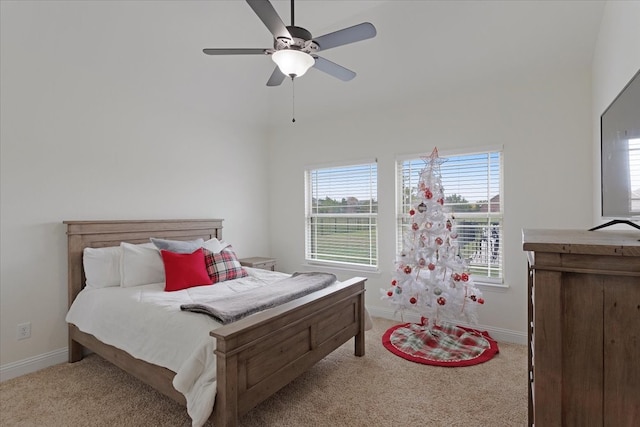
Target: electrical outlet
(24,331)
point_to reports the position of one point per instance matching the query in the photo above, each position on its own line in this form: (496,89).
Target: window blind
(472,186)
(341,214)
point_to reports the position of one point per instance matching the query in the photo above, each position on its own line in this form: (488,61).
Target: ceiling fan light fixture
(293,62)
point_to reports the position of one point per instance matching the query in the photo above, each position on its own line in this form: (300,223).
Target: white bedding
(146,322)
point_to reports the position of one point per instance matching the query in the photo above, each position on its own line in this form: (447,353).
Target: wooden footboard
(257,355)
(260,354)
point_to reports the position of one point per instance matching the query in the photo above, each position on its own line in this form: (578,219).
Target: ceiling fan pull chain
(293,100)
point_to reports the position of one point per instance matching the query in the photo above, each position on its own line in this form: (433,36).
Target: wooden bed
(255,356)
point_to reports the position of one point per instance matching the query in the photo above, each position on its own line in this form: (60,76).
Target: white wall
(544,124)
(107,112)
(616,59)
(97,125)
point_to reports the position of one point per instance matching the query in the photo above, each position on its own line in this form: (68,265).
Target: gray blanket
(234,307)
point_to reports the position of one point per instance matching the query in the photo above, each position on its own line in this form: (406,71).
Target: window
(341,215)
(473,187)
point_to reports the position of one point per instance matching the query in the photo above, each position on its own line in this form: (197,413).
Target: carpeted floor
(379,389)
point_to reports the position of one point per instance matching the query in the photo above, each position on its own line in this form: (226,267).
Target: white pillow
(214,245)
(140,265)
(102,266)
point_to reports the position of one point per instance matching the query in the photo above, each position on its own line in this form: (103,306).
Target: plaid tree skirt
(443,345)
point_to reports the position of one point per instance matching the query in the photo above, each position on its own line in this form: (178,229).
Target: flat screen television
(620,157)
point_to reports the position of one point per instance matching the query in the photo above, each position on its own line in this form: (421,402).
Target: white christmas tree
(430,277)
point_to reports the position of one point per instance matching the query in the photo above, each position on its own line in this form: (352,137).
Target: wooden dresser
(584,327)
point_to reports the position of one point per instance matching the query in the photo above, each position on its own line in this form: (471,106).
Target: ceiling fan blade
(359,32)
(333,69)
(277,77)
(268,15)
(232,51)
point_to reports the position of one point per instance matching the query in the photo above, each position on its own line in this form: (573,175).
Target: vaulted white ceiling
(153,49)
(422,48)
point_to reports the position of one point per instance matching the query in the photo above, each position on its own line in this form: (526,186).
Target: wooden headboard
(99,234)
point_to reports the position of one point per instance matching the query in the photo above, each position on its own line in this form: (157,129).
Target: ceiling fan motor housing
(301,40)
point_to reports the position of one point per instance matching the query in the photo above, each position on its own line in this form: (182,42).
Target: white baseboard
(32,364)
(498,334)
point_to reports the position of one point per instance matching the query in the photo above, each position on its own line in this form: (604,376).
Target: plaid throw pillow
(224,265)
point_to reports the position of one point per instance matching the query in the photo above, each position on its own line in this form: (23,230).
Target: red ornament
(465,277)
(407,269)
(456,277)
(441,301)
(431,266)
(480,300)
(439,240)
(448,224)
(394,282)
(390,293)
(412,212)
(415,226)
(413,300)
(428,194)
(441,201)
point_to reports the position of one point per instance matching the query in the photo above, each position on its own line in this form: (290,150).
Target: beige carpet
(379,389)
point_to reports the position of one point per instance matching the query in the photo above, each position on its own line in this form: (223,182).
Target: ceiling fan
(294,49)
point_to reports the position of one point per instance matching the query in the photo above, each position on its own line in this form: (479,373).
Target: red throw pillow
(184,271)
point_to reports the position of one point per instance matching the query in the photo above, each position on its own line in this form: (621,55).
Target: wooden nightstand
(259,262)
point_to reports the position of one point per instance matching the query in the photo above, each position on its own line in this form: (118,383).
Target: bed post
(359,338)
(75,246)
(226,404)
